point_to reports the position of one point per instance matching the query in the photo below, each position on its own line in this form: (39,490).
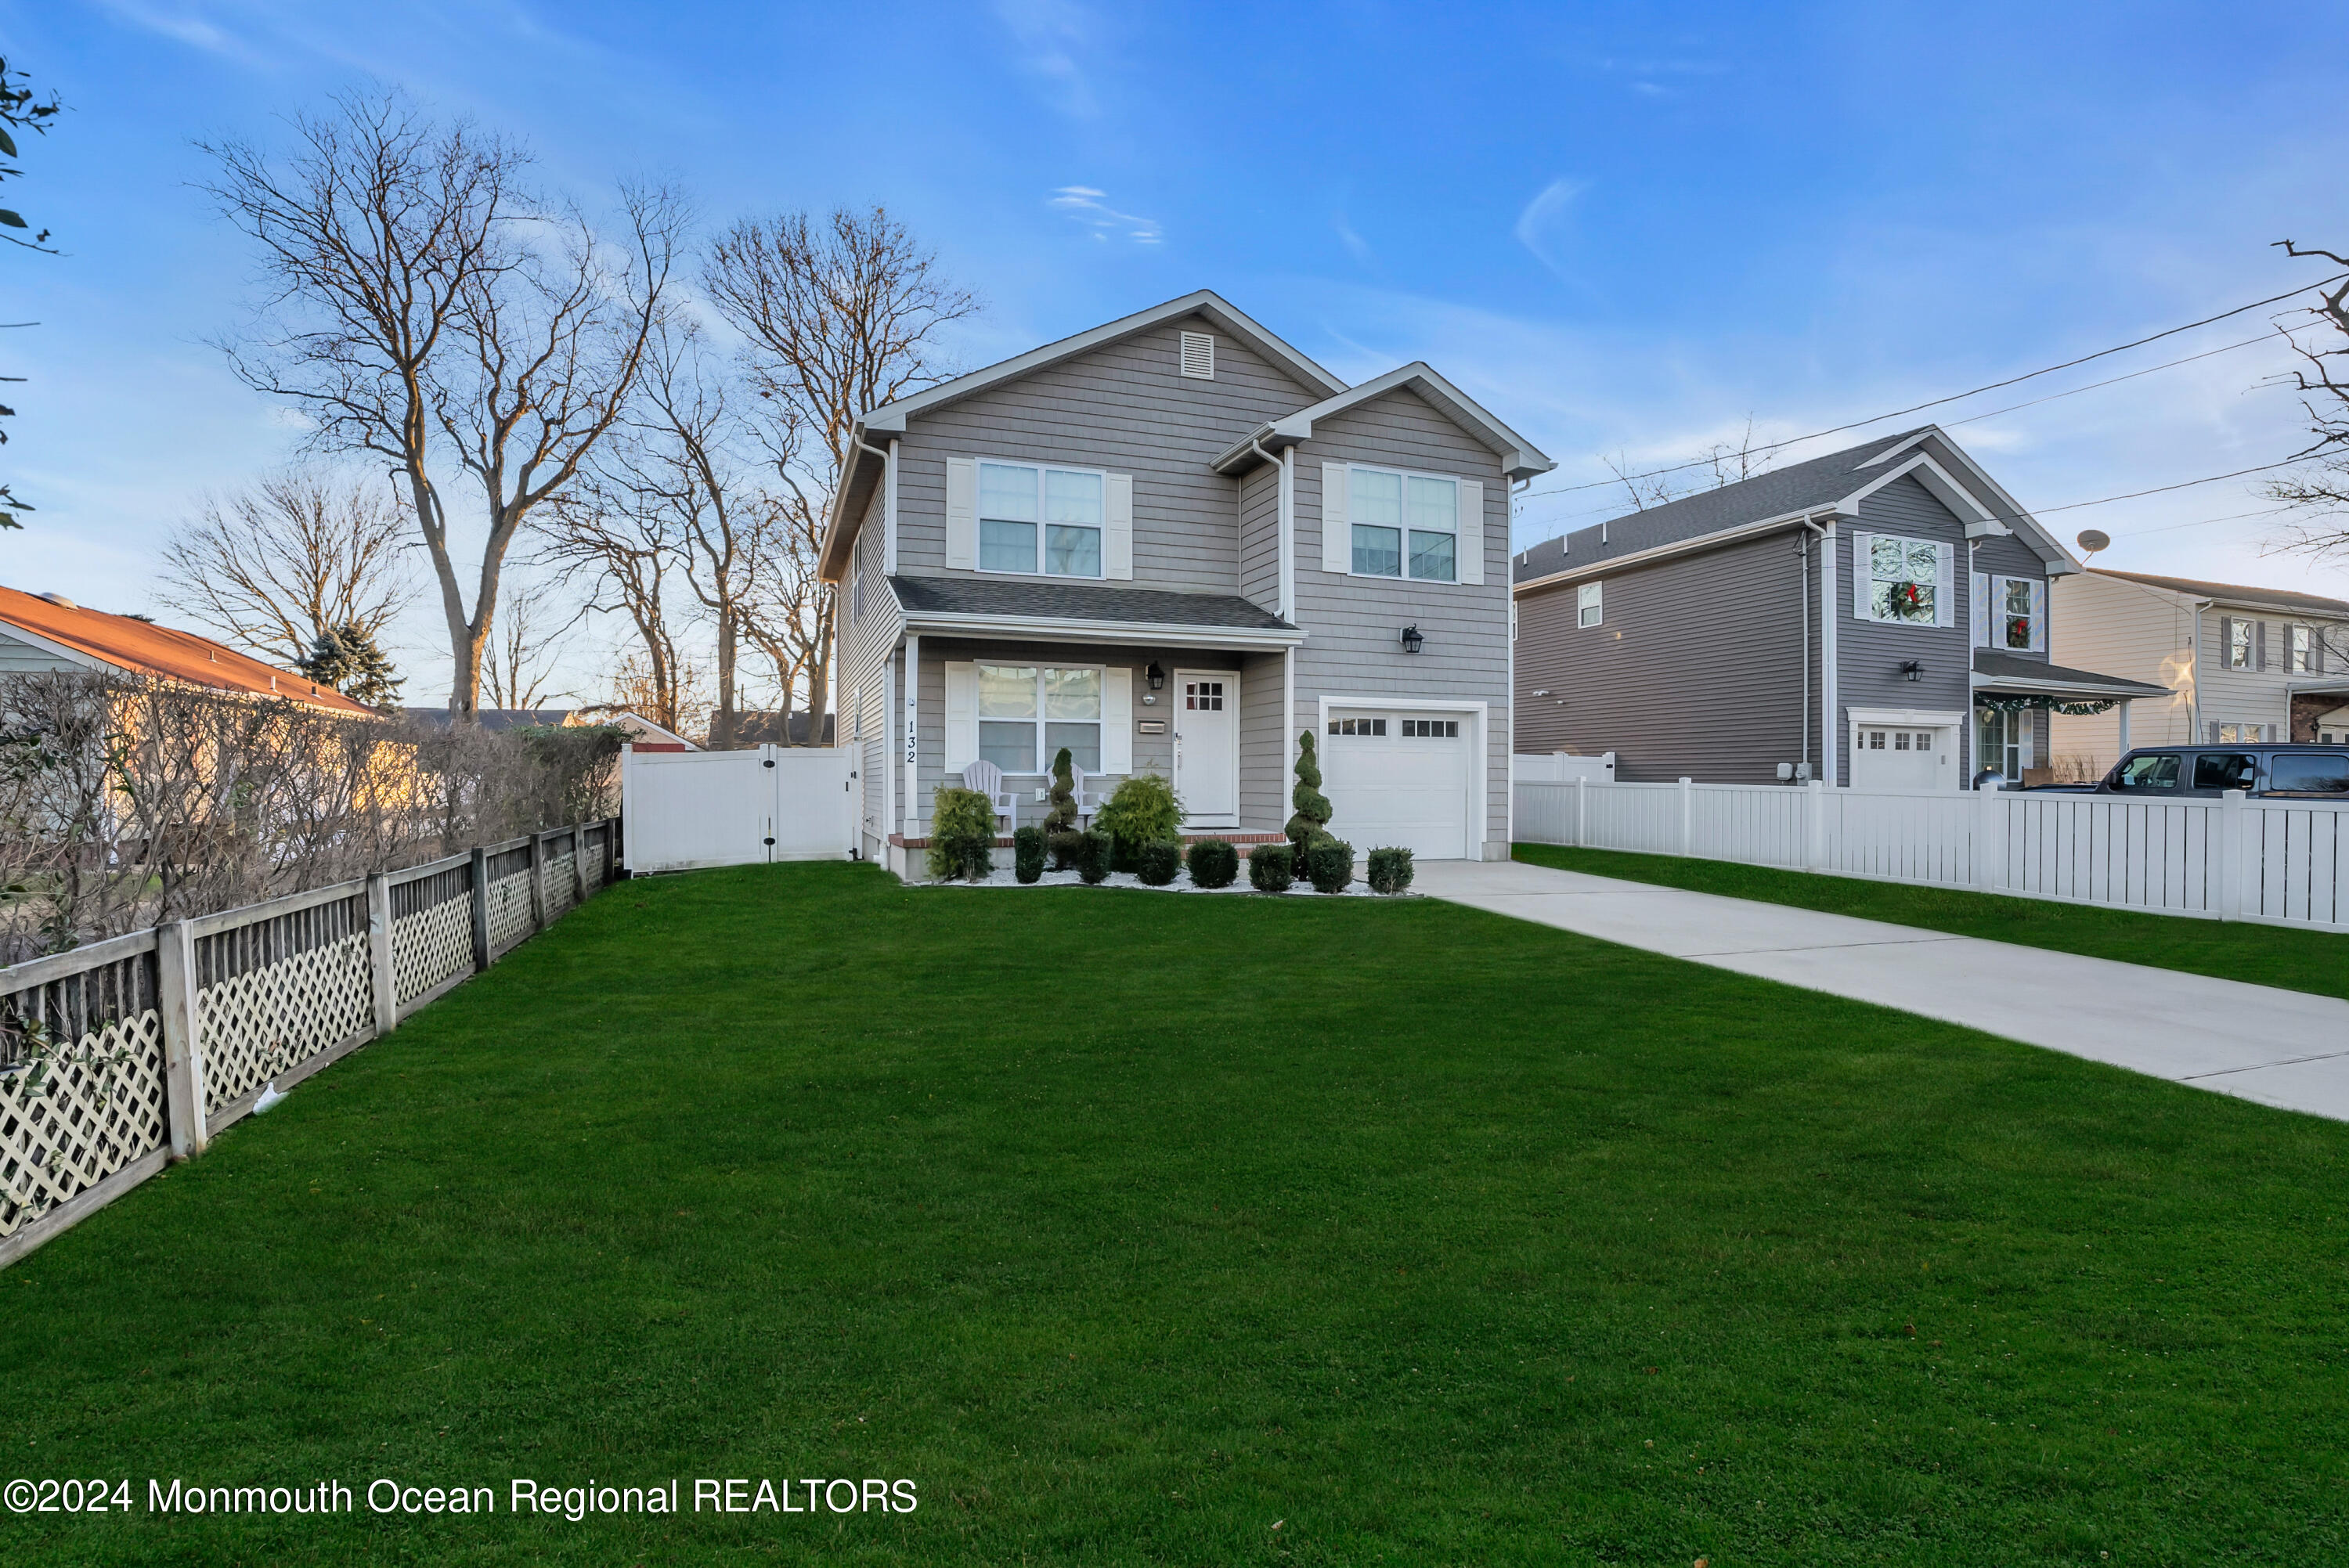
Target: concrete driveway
(2280,1047)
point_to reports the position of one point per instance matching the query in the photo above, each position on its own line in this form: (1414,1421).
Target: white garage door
(1399,778)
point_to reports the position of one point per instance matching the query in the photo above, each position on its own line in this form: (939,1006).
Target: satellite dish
(2093,540)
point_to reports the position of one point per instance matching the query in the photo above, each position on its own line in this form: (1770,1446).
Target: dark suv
(2166,772)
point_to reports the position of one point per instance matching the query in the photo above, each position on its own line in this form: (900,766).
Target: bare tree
(2320,492)
(290,558)
(422,305)
(628,687)
(519,661)
(1729,462)
(593,530)
(839,318)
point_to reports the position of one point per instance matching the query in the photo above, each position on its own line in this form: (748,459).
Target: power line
(2231,517)
(2164,490)
(1955,396)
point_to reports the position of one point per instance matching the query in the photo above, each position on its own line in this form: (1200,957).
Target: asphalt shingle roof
(2012,669)
(2282,597)
(1080,601)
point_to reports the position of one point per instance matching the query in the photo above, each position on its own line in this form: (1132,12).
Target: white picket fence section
(689,809)
(121,1056)
(2285,863)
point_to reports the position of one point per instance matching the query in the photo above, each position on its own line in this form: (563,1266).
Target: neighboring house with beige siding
(2243,663)
(1878,616)
(1169,544)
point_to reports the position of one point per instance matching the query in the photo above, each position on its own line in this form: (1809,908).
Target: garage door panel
(1390,787)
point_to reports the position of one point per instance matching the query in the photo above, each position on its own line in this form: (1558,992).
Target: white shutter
(962,716)
(1117,720)
(2039,614)
(1945,604)
(1117,529)
(1863,546)
(962,517)
(1981,617)
(1469,550)
(1337,539)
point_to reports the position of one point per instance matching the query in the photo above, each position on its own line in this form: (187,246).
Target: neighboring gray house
(1876,617)
(2243,664)
(1171,543)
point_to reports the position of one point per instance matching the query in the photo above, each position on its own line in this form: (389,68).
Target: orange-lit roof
(146,649)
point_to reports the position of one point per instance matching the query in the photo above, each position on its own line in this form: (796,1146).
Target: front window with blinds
(1028,712)
(1038,520)
(1405,525)
(1903,577)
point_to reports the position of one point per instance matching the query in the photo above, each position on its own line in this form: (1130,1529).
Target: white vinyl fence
(119,1057)
(1561,767)
(688,810)
(2281,861)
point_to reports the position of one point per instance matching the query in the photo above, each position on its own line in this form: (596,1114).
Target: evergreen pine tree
(347,658)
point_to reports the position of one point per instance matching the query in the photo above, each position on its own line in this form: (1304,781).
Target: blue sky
(1624,227)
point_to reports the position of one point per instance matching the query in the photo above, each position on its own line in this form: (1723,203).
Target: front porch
(2012,699)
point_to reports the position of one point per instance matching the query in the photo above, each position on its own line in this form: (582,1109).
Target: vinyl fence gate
(682,810)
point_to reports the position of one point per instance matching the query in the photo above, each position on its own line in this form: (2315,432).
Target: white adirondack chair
(1088,800)
(988,780)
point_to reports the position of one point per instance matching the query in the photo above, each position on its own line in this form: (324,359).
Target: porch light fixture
(1157,675)
(1411,639)
(1912,669)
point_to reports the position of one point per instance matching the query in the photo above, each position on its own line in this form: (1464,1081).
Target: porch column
(913,740)
(2125,733)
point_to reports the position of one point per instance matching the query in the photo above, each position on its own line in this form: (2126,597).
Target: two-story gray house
(1876,617)
(1170,544)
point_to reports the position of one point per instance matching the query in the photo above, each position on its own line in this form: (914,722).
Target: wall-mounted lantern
(1911,669)
(1411,639)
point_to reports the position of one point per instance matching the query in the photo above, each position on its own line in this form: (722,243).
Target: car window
(2317,772)
(2226,770)
(2154,770)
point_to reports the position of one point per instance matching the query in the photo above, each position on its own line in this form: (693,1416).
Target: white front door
(1207,746)
(1903,757)
(1399,778)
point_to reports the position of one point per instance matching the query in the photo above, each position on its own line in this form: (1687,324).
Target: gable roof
(1519,458)
(94,637)
(2233,593)
(1837,480)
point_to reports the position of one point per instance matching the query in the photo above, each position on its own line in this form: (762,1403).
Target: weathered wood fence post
(183,1057)
(578,862)
(385,987)
(537,880)
(480,910)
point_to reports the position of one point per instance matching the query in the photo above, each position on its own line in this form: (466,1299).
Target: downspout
(888,661)
(1286,576)
(1830,741)
(1284,594)
(1803,594)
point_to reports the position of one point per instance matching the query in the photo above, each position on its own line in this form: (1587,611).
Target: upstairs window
(1900,580)
(1405,525)
(2018,620)
(1588,609)
(2240,636)
(1023,508)
(2300,649)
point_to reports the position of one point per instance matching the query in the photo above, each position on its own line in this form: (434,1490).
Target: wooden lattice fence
(121,1056)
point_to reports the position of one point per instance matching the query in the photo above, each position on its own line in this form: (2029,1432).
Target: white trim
(1041,628)
(1287,514)
(1480,749)
(1102,550)
(1665,551)
(1175,731)
(1943,488)
(1830,765)
(1519,458)
(1914,717)
(1403,529)
(912,735)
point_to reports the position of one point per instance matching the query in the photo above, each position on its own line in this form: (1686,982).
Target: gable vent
(1199,355)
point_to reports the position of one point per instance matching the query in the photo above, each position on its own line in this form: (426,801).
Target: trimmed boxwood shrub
(1141,810)
(1268,868)
(1213,863)
(1329,864)
(1389,869)
(1064,843)
(1159,861)
(962,835)
(1027,854)
(1093,856)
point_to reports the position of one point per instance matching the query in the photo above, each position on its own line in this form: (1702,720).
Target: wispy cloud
(1356,246)
(1103,221)
(1543,227)
(180,25)
(1052,36)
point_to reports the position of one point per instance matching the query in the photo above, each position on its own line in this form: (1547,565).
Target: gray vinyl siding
(1259,536)
(1123,408)
(1869,654)
(1355,648)
(1264,749)
(22,658)
(867,641)
(1152,753)
(1695,670)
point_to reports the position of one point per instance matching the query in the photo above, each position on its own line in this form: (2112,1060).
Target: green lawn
(1135,1228)
(2303,960)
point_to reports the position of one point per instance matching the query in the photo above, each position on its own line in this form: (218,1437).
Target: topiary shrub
(1064,846)
(1143,810)
(1313,807)
(962,835)
(1268,868)
(1213,863)
(1158,861)
(1329,864)
(1027,854)
(1093,857)
(1061,819)
(1389,869)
